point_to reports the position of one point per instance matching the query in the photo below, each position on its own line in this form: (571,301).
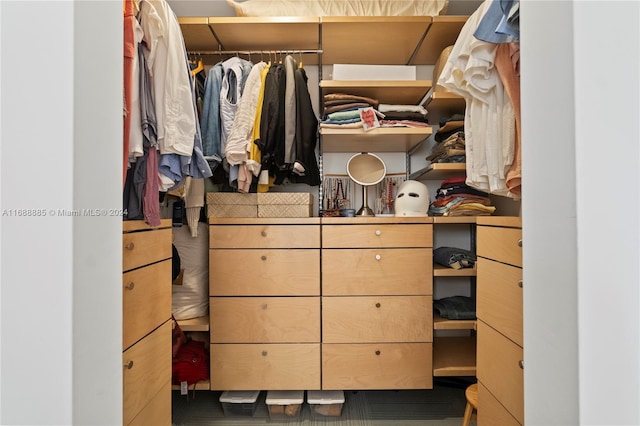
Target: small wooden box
(232,204)
(285,204)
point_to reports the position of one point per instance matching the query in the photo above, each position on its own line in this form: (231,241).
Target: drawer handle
(378,257)
(129,365)
(264,306)
(129,286)
(521,364)
(263,257)
(263,233)
(378,305)
(129,246)
(378,352)
(519,243)
(520,283)
(378,232)
(264,353)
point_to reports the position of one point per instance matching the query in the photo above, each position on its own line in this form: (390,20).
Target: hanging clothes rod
(253,52)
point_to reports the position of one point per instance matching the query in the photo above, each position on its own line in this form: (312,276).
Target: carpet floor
(443,406)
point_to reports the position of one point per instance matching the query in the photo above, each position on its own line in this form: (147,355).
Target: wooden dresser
(377,323)
(146,325)
(499,311)
(264,288)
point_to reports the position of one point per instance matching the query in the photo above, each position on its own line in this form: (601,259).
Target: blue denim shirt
(210,121)
(496,26)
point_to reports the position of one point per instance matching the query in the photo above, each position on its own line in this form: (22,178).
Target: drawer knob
(129,365)
(264,306)
(264,353)
(129,246)
(263,257)
(521,364)
(378,352)
(520,283)
(378,232)
(129,286)
(263,233)
(519,243)
(378,305)
(378,257)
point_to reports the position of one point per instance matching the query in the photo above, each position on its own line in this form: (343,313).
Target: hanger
(300,62)
(198,68)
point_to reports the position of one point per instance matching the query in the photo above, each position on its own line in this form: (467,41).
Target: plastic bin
(239,403)
(325,404)
(285,406)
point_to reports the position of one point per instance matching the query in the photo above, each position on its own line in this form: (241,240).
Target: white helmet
(412,199)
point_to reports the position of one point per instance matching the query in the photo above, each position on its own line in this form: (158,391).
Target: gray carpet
(442,405)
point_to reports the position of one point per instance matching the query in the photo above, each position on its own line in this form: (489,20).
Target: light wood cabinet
(377,303)
(264,305)
(499,308)
(146,301)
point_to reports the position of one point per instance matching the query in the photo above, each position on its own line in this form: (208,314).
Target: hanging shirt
(170,77)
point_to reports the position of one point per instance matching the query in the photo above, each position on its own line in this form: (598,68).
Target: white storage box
(373,72)
(285,406)
(239,403)
(325,404)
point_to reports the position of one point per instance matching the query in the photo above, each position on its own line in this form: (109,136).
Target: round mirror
(366,169)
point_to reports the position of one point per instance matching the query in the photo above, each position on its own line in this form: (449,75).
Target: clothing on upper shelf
(456,198)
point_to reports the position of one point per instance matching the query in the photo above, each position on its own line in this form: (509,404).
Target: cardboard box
(285,204)
(239,403)
(373,72)
(285,406)
(232,204)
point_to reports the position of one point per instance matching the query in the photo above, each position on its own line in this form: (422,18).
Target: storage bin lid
(239,397)
(284,397)
(325,397)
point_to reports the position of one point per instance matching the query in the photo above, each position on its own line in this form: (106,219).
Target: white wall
(61,136)
(580,212)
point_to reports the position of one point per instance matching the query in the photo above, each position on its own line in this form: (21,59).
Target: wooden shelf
(445,103)
(383,40)
(400,92)
(439,171)
(202,385)
(444,220)
(382,139)
(195,324)
(443,32)
(454,356)
(440,323)
(443,271)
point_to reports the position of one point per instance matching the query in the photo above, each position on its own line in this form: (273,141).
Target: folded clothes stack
(456,198)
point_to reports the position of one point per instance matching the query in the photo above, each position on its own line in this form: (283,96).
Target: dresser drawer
(265,366)
(389,235)
(501,244)
(499,369)
(264,319)
(264,272)
(499,297)
(377,319)
(158,411)
(492,412)
(147,369)
(145,247)
(377,366)
(264,236)
(377,271)
(146,300)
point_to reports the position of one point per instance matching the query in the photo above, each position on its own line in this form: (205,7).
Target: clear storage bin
(239,403)
(285,406)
